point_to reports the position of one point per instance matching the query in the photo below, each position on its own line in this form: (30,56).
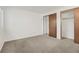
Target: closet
(67,24)
(50,25)
(70,24)
(45,24)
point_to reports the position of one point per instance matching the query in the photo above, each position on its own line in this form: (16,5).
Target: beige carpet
(40,44)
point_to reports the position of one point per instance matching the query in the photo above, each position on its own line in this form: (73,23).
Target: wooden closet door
(76,25)
(52,25)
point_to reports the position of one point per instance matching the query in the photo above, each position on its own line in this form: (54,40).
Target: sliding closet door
(76,14)
(52,25)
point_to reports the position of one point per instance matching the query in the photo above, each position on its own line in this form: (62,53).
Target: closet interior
(50,25)
(67,24)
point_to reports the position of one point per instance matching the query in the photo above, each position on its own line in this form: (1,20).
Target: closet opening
(46,25)
(67,24)
(50,25)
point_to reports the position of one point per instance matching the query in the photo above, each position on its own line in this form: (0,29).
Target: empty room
(39,29)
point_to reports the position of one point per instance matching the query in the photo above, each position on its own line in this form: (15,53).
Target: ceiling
(39,9)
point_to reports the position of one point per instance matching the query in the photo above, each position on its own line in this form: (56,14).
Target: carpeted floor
(40,44)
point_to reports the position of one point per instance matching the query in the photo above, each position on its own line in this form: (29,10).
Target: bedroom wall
(1,29)
(22,24)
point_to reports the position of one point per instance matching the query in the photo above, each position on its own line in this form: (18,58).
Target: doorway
(49,25)
(67,24)
(46,25)
(70,24)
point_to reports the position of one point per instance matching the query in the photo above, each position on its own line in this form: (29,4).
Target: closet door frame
(73,9)
(61,21)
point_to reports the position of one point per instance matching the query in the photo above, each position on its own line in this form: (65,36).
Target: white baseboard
(67,38)
(11,39)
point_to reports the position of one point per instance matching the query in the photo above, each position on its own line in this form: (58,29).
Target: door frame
(61,21)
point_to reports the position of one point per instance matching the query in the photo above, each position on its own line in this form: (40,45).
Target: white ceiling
(41,9)
(38,9)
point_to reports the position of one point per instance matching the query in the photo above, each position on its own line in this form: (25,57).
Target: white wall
(46,25)
(58,18)
(22,24)
(1,29)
